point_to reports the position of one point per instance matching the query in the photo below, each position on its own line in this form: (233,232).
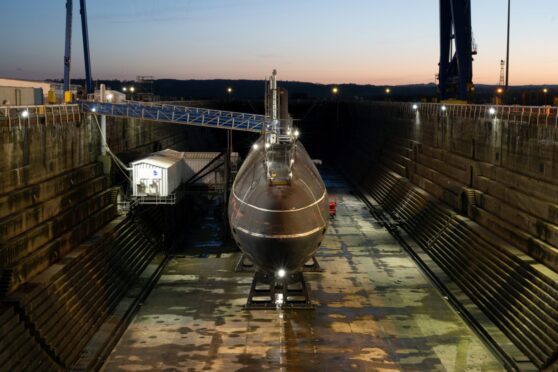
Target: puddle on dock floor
(375,311)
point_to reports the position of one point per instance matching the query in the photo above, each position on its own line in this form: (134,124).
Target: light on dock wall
(417,113)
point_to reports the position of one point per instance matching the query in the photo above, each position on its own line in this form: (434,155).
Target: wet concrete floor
(375,311)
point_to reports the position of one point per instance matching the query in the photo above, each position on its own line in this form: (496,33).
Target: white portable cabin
(159,174)
(111,96)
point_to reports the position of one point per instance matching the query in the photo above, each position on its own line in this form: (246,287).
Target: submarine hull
(279,227)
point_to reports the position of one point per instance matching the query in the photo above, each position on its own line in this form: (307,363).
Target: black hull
(278,227)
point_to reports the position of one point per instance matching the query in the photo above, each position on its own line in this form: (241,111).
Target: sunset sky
(325,41)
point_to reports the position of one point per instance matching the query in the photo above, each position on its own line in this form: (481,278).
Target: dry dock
(375,311)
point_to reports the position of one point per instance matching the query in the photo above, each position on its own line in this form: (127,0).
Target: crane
(68,49)
(456,69)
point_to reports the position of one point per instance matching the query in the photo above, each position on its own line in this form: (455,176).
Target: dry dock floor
(375,311)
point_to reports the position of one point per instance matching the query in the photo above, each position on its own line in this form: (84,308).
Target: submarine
(278,207)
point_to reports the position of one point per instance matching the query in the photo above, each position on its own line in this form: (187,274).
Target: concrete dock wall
(53,190)
(500,169)
(66,257)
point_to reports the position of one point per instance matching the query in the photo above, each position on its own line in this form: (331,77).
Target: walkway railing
(537,115)
(49,114)
(178,115)
(56,114)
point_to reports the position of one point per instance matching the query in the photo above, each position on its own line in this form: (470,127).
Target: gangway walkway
(177,115)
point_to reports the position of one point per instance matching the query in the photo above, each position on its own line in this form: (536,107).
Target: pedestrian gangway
(177,115)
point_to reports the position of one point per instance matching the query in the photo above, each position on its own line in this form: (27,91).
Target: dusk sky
(327,41)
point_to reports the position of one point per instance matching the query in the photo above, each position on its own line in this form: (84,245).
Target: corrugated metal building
(195,161)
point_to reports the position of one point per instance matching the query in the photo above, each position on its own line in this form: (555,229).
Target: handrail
(22,114)
(51,114)
(536,115)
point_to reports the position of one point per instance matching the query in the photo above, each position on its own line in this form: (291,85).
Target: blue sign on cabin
(155,172)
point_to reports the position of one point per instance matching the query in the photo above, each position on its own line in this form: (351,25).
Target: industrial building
(26,92)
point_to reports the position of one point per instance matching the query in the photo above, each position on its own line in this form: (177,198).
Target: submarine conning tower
(279,134)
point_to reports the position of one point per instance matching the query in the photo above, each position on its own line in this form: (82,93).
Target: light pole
(335,92)
(508,52)
(498,100)
(132,90)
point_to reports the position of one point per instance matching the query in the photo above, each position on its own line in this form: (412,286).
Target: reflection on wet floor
(374,312)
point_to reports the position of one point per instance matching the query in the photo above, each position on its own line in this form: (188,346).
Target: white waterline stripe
(279,236)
